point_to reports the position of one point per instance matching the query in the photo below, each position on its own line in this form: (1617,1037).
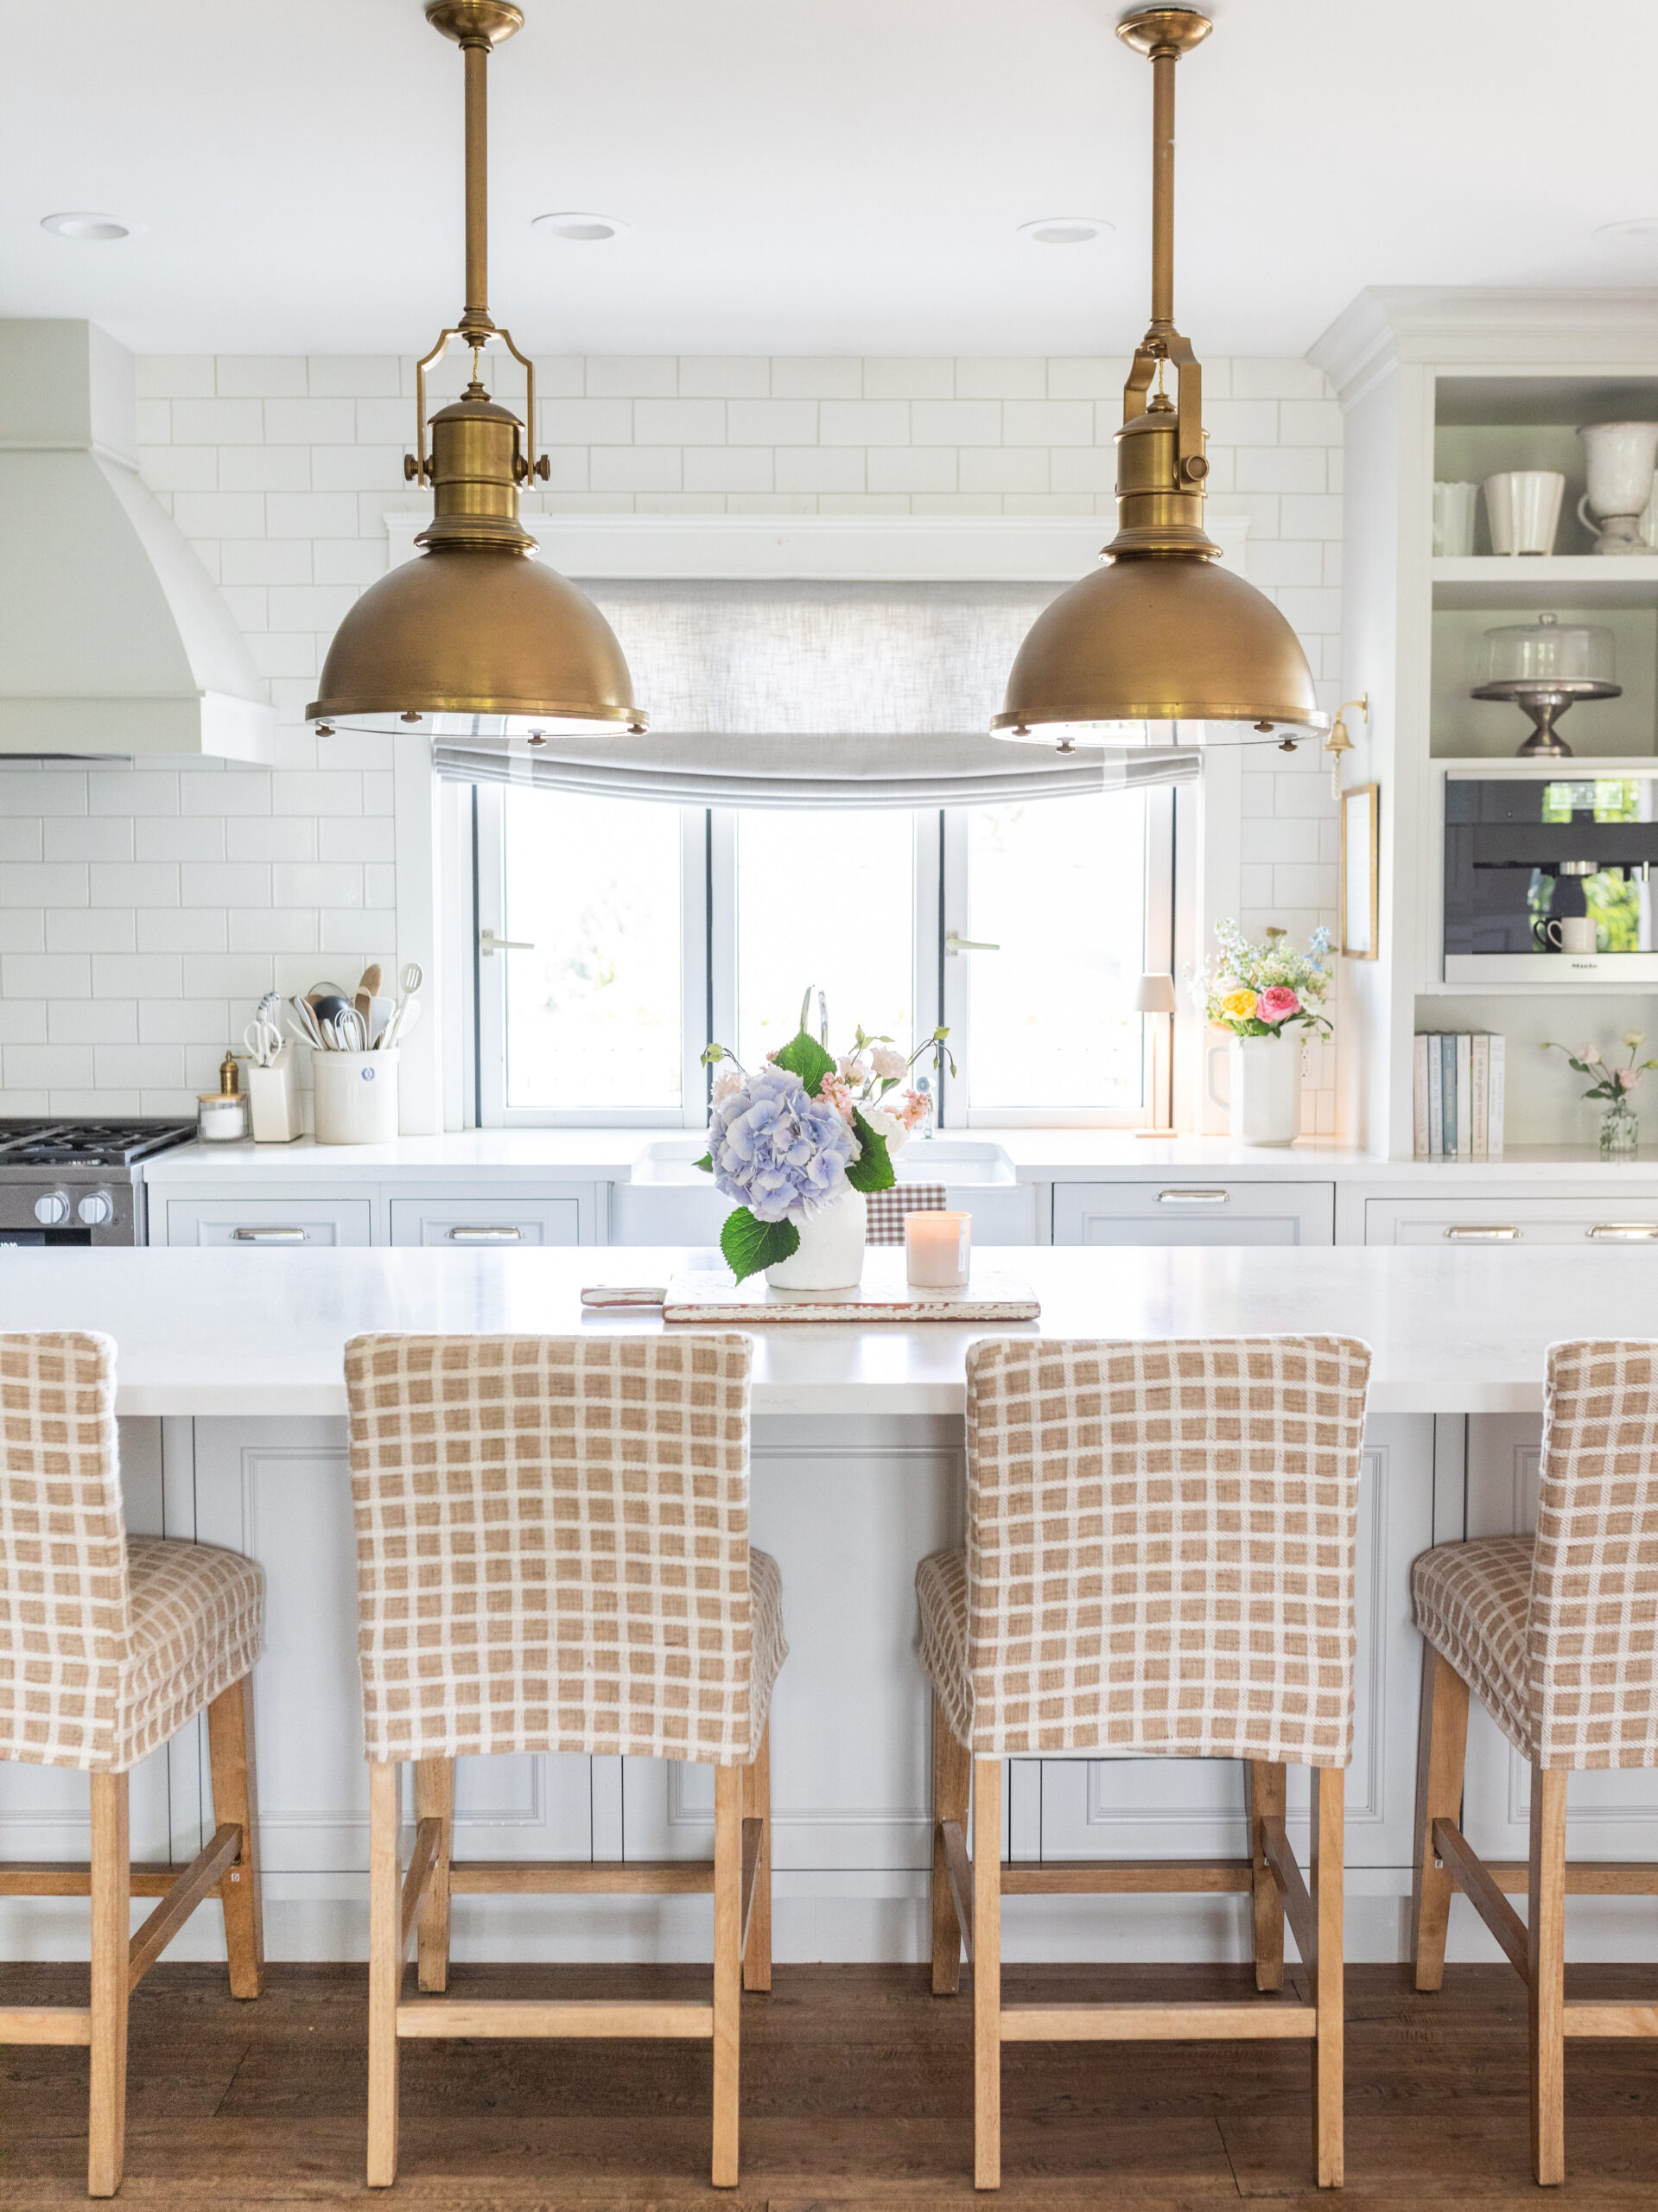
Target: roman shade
(809,693)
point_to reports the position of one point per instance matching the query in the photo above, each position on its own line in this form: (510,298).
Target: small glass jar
(1620,1131)
(221,1116)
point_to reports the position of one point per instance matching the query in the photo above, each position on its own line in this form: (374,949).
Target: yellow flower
(1239,1006)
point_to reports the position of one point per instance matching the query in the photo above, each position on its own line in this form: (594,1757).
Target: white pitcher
(1263,1091)
(1621,458)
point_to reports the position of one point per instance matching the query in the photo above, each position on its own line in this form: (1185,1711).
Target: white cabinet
(1514,1220)
(278,1225)
(1194,1209)
(693,1213)
(499,1221)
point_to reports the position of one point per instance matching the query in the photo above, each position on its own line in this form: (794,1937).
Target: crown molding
(1493,326)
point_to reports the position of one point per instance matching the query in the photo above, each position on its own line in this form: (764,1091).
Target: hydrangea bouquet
(788,1139)
(1259,990)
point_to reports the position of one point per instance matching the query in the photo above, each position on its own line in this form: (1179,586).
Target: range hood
(113,637)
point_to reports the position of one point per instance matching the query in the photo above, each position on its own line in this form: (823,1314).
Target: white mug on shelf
(356,1098)
(1453,520)
(1522,506)
(1573,933)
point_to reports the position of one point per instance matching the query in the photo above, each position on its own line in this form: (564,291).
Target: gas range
(68,1182)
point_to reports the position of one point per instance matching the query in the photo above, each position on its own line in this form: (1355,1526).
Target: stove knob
(95,1208)
(52,1208)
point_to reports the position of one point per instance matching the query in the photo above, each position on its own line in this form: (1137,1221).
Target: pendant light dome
(1159,646)
(475,637)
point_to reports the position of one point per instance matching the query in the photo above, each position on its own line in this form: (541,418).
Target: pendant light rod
(1164,58)
(475,320)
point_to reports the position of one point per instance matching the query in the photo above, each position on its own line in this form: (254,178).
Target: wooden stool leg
(1268,1785)
(111,1877)
(727,1968)
(952,1776)
(1329,1867)
(987,1973)
(1546,1943)
(1441,1748)
(385,1971)
(757,1806)
(236,1800)
(435,1801)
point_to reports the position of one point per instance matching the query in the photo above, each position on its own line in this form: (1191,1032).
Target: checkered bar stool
(883,1211)
(1557,1635)
(109,1645)
(1158,1564)
(553,1556)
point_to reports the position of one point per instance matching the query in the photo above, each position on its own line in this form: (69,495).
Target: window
(639,929)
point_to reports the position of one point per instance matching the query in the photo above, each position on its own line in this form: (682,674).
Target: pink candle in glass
(938,1248)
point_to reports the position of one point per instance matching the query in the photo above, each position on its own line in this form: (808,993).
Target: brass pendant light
(475,637)
(1159,646)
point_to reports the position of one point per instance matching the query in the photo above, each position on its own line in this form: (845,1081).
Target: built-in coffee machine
(1547,877)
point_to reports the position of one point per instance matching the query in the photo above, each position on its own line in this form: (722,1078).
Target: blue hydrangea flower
(777,1151)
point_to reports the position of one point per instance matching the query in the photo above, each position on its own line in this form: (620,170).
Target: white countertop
(523,1156)
(261,1334)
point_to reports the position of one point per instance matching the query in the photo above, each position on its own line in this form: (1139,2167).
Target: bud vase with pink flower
(1267,997)
(1620,1125)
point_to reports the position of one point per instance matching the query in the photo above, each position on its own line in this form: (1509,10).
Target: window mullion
(718,1005)
(490,976)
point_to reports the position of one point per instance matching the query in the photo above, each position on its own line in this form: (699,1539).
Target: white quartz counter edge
(519,1157)
(204,1333)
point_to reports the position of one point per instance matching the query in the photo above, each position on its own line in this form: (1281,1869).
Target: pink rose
(1628,1077)
(725,1083)
(1277,1004)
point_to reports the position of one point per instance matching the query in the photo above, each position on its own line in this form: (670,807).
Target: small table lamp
(1154,993)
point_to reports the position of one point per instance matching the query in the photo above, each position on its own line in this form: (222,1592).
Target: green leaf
(804,1057)
(873,1169)
(706,1163)
(750,1245)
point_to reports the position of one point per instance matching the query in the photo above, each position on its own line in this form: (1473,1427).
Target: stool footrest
(1611,2019)
(1584,1878)
(45,2024)
(450,2016)
(1267,2019)
(477,1878)
(1026,1878)
(70,1877)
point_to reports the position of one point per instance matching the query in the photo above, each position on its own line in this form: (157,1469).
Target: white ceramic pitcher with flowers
(1266,997)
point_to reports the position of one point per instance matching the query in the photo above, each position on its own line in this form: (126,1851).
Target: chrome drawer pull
(1634,1232)
(1193,1198)
(269,1236)
(1478,1232)
(484,1235)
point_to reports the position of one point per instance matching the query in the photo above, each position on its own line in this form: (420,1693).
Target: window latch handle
(489,942)
(953,945)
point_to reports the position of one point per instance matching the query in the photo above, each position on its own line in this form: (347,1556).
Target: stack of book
(1456,1098)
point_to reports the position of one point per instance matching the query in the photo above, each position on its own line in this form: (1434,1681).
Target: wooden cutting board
(885,1294)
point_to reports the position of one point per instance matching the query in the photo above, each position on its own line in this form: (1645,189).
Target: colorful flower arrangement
(788,1139)
(1610,1083)
(1259,990)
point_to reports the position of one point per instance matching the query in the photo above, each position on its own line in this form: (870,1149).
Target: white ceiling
(802,178)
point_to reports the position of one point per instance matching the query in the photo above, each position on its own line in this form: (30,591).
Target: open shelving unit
(1455,385)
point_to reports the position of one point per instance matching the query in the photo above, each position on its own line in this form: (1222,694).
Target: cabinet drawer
(484,1224)
(1194,1209)
(280,1225)
(1612,1220)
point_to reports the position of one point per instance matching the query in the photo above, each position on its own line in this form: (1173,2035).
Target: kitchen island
(233,1402)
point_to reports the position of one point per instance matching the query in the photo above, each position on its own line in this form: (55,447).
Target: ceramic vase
(1620,457)
(830,1255)
(1263,1092)
(1620,1131)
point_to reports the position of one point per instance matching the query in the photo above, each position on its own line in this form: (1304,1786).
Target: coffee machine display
(1549,878)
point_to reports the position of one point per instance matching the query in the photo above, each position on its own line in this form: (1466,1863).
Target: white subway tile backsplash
(354,376)
(89,1020)
(262,468)
(315,791)
(133,884)
(729,468)
(267,929)
(1047,422)
(178,929)
(772,422)
(723,376)
(259,376)
(956,421)
(137,1065)
(909,376)
(46,974)
(81,837)
(132,791)
(137,976)
(24,883)
(800,376)
(633,375)
(310,421)
(42,1065)
(188,1021)
(679,421)
(270,837)
(166,376)
(911,468)
(1014,377)
(359,837)
(23,1021)
(310,514)
(218,423)
(298,883)
(179,838)
(230,975)
(864,422)
(91,928)
(243,791)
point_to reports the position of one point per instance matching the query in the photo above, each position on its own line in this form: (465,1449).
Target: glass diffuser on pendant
(1544,667)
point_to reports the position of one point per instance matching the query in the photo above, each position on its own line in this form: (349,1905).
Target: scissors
(264,1040)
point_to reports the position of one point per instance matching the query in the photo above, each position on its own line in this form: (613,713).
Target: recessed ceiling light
(1065,230)
(1636,229)
(579,229)
(79,224)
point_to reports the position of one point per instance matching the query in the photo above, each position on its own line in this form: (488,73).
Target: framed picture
(1361,874)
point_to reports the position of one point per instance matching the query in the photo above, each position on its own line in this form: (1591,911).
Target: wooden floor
(856,2091)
